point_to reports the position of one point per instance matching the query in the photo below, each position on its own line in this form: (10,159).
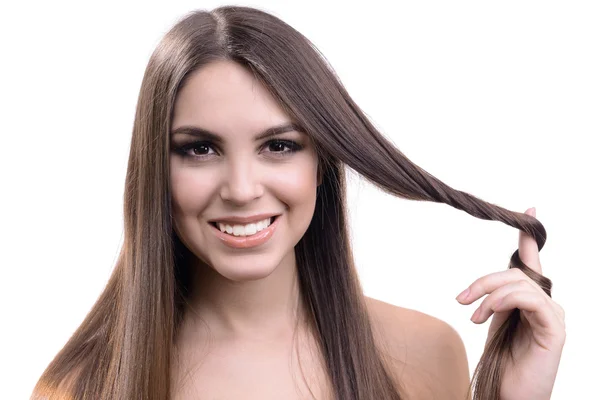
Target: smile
(244,230)
(245,236)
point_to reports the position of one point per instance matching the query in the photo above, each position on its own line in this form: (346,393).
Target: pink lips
(231,220)
(244,242)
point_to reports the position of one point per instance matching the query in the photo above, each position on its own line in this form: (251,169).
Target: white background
(498,99)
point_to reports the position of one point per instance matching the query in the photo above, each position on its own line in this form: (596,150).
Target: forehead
(225,97)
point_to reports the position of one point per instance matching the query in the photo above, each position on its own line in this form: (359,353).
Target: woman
(236,277)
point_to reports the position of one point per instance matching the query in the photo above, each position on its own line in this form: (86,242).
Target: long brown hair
(123,348)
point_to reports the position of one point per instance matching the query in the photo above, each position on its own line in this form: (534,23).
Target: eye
(196,150)
(205,150)
(278,147)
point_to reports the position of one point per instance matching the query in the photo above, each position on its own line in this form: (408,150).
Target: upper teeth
(244,230)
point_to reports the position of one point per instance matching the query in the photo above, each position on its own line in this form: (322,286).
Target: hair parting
(124,347)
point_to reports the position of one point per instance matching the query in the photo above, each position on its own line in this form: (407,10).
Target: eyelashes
(275,146)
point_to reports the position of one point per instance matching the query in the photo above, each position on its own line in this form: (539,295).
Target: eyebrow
(206,134)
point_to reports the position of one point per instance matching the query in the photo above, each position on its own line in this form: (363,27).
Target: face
(224,177)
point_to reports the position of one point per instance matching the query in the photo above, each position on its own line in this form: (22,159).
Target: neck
(265,308)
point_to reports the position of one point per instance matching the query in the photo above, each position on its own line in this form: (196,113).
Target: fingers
(491,303)
(545,317)
(497,321)
(487,284)
(528,249)
(512,289)
(540,311)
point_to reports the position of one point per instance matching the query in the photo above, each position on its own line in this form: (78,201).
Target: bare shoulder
(426,354)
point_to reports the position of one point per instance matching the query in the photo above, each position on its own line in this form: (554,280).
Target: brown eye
(196,150)
(201,149)
(279,147)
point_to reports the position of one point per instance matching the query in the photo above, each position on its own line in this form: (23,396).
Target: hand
(541,334)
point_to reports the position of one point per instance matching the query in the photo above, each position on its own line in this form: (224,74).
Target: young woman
(236,278)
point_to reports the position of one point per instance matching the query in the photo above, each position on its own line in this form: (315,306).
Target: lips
(243,242)
(241,220)
(232,225)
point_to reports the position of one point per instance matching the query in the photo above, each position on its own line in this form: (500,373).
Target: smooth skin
(237,340)
(541,336)
(241,323)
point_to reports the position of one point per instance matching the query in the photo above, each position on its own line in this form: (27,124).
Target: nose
(241,182)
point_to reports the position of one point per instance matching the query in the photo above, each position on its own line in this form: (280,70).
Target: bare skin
(249,369)
(237,338)
(429,356)
(429,360)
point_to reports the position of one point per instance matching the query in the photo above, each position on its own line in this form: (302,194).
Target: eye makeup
(275,148)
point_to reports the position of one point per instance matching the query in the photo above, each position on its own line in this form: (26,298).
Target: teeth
(252,228)
(244,230)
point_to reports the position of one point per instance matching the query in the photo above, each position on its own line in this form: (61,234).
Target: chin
(246,268)
(243,275)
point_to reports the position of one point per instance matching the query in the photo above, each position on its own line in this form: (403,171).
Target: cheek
(190,191)
(296,186)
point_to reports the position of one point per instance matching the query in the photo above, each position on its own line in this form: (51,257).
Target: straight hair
(123,349)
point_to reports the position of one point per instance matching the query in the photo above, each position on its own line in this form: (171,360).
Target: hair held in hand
(123,348)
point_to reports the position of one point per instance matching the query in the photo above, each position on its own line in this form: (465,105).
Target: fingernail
(463,296)
(534,211)
(476,315)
